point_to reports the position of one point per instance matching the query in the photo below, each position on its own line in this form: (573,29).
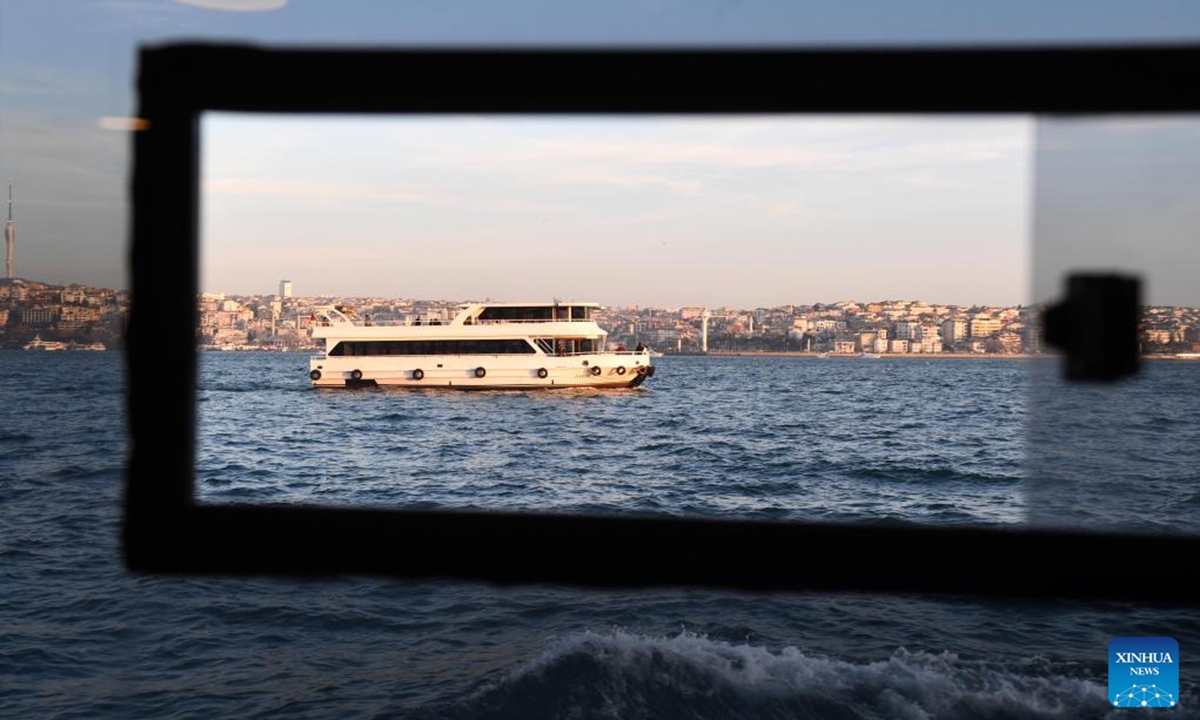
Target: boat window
(495,314)
(563,346)
(513,346)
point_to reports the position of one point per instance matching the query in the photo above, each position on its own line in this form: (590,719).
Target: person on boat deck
(621,347)
(640,348)
(435,321)
(418,322)
(367,321)
(562,348)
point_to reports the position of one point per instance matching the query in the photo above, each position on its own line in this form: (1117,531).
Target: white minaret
(704,330)
(10,238)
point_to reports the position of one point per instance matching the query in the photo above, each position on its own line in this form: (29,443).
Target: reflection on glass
(1120,195)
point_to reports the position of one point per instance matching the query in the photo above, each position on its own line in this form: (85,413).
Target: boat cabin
(491,313)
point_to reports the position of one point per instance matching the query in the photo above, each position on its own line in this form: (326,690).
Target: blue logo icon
(1143,672)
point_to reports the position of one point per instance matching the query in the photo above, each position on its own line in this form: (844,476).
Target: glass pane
(1121,194)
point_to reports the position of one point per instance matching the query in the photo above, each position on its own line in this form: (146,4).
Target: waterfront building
(1005,342)
(954,331)
(17,291)
(907,330)
(38,316)
(898,346)
(285,288)
(1032,336)
(826,325)
(657,337)
(983,326)
(76,317)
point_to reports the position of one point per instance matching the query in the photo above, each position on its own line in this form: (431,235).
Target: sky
(660,211)
(65,64)
(1122,195)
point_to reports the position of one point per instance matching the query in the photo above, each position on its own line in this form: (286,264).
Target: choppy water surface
(756,437)
(916,440)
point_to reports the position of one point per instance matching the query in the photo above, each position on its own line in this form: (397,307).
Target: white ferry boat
(37,343)
(485,346)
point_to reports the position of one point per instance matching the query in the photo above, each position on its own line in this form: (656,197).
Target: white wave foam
(619,674)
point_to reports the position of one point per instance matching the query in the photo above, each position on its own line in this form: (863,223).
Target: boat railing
(539,320)
(321,321)
(358,322)
(600,352)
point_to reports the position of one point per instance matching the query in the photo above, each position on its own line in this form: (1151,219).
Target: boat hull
(494,372)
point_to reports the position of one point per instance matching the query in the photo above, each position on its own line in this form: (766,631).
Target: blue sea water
(936,441)
(736,437)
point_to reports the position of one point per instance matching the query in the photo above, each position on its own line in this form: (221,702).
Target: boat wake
(621,675)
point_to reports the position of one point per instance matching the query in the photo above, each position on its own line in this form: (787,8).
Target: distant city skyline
(741,211)
(69,68)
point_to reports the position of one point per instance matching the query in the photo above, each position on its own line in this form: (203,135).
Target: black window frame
(166,530)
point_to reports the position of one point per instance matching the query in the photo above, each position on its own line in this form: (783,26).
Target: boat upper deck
(471,320)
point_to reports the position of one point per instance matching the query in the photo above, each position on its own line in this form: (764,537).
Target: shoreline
(903,356)
(882,356)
